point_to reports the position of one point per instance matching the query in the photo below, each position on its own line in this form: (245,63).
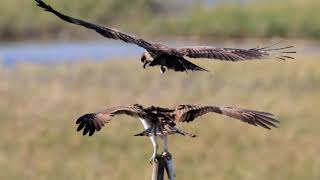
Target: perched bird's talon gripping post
(167,155)
(153,160)
(162,69)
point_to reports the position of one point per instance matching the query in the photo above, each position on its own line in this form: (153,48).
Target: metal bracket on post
(163,164)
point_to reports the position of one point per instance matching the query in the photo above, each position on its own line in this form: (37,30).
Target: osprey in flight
(157,54)
(160,122)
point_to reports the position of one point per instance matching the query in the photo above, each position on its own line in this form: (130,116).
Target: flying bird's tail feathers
(279,53)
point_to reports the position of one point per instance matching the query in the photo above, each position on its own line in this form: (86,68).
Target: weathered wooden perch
(162,164)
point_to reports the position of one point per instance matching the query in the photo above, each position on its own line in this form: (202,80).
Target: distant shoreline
(290,19)
(69,51)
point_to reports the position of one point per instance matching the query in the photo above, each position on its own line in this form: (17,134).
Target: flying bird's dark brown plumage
(164,120)
(157,54)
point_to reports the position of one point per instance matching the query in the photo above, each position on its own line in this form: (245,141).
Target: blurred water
(58,52)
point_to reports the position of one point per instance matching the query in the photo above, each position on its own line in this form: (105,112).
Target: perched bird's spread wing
(95,121)
(104,31)
(233,54)
(187,113)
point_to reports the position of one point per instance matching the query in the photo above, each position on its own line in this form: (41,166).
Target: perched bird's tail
(163,130)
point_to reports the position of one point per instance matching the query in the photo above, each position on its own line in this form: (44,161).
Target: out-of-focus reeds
(286,18)
(21,19)
(39,105)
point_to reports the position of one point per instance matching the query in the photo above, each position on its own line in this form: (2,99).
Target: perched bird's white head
(146,58)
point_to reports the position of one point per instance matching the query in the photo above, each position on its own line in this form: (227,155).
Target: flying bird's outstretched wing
(104,31)
(233,54)
(187,113)
(95,121)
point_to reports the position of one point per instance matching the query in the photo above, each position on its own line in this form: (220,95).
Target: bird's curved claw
(144,65)
(162,69)
(153,160)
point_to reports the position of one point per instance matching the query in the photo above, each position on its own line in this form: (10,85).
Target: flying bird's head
(146,58)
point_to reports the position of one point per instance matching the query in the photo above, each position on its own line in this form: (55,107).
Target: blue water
(47,53)
(65,52)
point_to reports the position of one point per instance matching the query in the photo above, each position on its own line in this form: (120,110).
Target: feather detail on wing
(95,121)
(233,54)
(187,113)
(104,31)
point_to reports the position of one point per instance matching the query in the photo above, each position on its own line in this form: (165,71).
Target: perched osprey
(161,122)
(157,54)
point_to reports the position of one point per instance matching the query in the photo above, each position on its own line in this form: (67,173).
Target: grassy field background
(22,19)
(39,105)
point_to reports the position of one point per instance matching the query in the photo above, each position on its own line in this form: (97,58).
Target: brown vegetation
(39,106)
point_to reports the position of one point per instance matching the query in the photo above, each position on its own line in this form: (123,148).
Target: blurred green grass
(286,18)
(39,105)
(21,19)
